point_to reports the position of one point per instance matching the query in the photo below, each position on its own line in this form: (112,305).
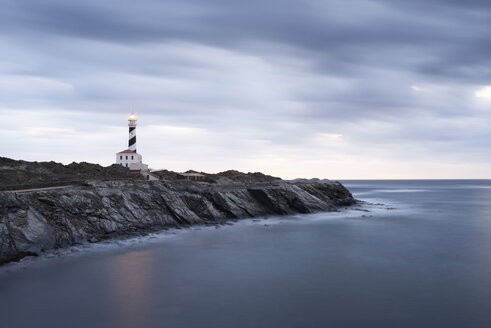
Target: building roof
(127,151)
(191,174)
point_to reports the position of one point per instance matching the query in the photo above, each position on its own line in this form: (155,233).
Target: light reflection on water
(415,259)
(130,275)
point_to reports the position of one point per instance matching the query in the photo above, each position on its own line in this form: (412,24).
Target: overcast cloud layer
(335,89)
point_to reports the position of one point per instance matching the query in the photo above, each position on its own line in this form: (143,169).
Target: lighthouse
(130,158)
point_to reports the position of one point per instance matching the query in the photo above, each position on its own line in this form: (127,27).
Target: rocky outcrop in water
(34,221)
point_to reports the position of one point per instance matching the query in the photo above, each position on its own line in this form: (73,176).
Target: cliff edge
(37,220)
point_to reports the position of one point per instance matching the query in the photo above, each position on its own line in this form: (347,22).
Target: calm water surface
(421,257)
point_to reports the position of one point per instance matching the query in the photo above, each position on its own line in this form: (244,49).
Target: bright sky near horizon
(294,88)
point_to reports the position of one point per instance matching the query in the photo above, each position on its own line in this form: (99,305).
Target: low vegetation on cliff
(18,174)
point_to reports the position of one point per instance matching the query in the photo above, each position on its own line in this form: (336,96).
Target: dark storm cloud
(450,38)
(338,35)
(328,27)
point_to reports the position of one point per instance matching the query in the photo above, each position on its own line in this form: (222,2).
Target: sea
(413,253)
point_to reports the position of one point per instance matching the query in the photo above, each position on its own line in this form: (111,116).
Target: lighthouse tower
(132,134)
(130,158)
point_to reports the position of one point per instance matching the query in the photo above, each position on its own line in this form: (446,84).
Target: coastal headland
(49,205)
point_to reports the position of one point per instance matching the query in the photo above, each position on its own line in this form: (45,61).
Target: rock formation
(31,222)
(92,210)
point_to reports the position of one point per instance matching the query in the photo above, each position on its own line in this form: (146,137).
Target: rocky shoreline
(34,221)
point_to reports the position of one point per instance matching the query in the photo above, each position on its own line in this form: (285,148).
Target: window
(121,157)
(131,156)
(126,164)
(126,156)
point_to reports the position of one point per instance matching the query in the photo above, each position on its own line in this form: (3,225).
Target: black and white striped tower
(132,135)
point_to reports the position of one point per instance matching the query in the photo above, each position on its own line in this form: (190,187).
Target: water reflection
(130,276)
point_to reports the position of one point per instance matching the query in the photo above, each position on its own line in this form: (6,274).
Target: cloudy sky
(311,88)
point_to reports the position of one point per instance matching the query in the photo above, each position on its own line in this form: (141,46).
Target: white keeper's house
(130,158)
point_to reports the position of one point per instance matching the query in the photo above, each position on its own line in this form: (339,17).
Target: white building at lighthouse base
(130,159)
(133,161)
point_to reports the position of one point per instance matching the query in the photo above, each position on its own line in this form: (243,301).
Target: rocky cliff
(34,221)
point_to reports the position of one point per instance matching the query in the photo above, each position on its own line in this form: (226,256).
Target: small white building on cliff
(129,159)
